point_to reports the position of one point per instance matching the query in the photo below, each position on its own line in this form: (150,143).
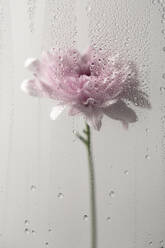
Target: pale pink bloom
(91,84)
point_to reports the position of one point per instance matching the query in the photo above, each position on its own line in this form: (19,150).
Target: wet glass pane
(44,176)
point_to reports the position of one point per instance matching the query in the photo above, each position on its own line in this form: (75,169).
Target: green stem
(87,142)
(92,190)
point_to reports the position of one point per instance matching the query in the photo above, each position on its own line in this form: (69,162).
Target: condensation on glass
(43,171)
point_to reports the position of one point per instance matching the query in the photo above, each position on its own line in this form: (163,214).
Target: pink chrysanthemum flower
(89,84)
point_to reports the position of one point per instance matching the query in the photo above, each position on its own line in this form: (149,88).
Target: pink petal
(74,111)
(30,87)
(90,84)
(95,120)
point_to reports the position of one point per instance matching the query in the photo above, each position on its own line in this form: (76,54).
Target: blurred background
(44,193)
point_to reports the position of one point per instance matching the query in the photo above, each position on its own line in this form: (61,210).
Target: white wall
(40,158)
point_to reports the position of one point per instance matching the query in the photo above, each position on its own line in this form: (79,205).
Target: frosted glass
(44,192)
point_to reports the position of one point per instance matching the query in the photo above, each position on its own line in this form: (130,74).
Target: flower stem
(87,142)
(92,190)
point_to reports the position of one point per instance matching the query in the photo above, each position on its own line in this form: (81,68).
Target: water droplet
(50,229)
(161,244)
(33,188)
(92,64)
(163,118)
(60,195)
(26,222)
(85,217)
(147,130)
(33,232)
(163,49)
(162,89)
(111,193)
(74,132)
(108,219)
(163,31)
(147,156)
(150,243)
(88,9)
(163,76)
(27,231)
(126,172)
(46,243)
(163,21)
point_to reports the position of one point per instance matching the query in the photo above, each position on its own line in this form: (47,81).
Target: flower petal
(56,111)
(29,86)
(35,87)
(32,64)
(95,120)
(120,111)
(108,103)
(74,111)
(90,84)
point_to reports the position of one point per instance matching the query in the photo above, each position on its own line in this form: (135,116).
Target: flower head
(89,84)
